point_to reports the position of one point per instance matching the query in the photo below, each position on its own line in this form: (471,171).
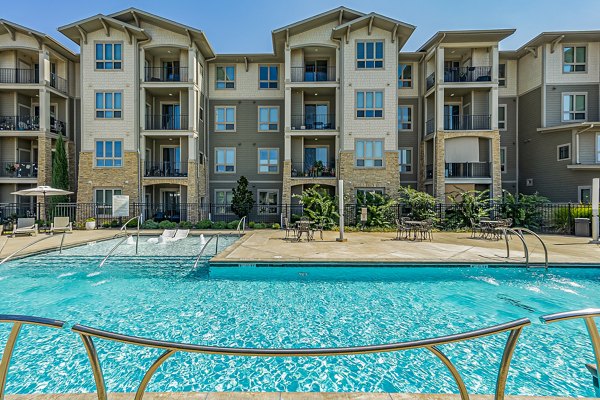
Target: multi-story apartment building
(38,102)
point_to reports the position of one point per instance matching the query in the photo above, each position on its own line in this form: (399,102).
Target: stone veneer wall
(125,177)
(44,160)
(387,177)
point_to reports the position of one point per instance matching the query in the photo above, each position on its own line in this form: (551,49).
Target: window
(364,191)
(103,199)
(574,58)
(405,118)
(369,104)
(225,160)
(267,201)
(223,199)
(502,75)
(574,107)
(502,159)
(108,105)
(584,194)
(268,161)
(404,76)
(405,160)
(369,54)
(369,153)
(268,119)
(226,77)
(502,117)
(225,119)
(109,56)
(563,152)
(268,77)
(109,153)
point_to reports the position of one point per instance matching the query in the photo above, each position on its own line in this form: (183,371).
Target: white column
(44,65)
(439,108)
(495,63)
(288,64)
(192,110)
(142,64)
(192,63)
(142,105)
(494,106)
(288,108)
(44,96)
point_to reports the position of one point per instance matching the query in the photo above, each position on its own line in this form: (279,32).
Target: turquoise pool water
(297,306)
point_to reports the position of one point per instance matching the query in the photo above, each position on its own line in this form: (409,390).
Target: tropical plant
(420,204)
(166,224)
(60,171)
(564,217)
(150,224)
(467,206)
(524,209)
(242,200)
(381,209)
(319,206)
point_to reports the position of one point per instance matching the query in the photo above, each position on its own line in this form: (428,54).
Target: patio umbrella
(42,191)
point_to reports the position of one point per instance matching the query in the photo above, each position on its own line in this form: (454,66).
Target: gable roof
(11,28)
(399,29)
(558,37)
(465,36)
(77,31)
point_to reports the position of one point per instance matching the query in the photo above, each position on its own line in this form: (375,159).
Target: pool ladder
(519,232)
(127,236)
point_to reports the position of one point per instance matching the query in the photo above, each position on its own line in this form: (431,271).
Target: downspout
(339,108)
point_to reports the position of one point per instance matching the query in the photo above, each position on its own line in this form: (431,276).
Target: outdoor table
(414,225)
(304,227)
(489,227)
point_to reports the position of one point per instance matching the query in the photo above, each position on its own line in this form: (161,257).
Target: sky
(237,26)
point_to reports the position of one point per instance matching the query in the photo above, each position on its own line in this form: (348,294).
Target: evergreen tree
(60,170)
(242,199)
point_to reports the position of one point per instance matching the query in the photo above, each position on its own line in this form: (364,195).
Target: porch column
(44,104)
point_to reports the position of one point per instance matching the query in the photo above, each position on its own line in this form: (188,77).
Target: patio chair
(475,228)
(426,230)
(61,224)
(318,228)
(180,234)
(26,226)
(402,228)
(168,234)
(289,228)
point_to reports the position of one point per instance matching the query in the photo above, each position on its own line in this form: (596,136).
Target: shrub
(167,225)
(319,206)
(465,206)
(204,224)
(106,224)
(420,204)
(186,225)
(275,226)
(132,223)
(90,220)
(525,210)
(251,224)
(242,199)
(150,224)
(381,209)
(114,223)
(258,225)
(219,225)
(563,221)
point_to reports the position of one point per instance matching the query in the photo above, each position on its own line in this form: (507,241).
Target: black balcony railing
(313,74)
(430,81)
(58,127)
(429,126)
(19,123)
(18,75)
(467,122)
(318,169)
(468,74)
(468,170)
(166,122)
(166,74)
(429,171)
(58,83)
(165,168)
(313,122)
(16,169)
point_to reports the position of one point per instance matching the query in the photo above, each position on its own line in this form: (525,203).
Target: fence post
(569,218)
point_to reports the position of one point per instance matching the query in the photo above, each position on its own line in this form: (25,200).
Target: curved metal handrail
(242,225)
(26,247)
(521,230)
(113,249)
(202,250)
(124,227)
(514,327)
(525,248)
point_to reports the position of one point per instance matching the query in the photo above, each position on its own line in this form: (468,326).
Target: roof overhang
(11,29)
(399,29)
(558,37)
(411,56)
(467,36)
(248,58)
(578,127)
(77,31)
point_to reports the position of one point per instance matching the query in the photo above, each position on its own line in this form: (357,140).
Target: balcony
(468,74)
(166,74)
(18,75)
(316,170)
(58,83)
(315,122)
(468,170)
(19,123)
(167,122)
(430,81)
(467,122)
(13,169)
(313,74)
(154,169)
(58,127)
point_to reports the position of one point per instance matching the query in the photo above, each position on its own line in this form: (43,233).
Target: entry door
(53,74)
(451,116)
(171,161)
(316,116)
(171,71)
(171,114)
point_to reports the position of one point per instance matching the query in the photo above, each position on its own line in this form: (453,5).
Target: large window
(268,77)
(502,75)
(502,117)
(574,59)
(268,119)
(405,118)
(103,199)
(405,160)
(574,107)
(268,161)
(225,160)
(369,104)
(267,201)
(563,152)
(369,153)
(405,76)
(223,199)
(225,77)
(503,159)
(225,119)
(109,153)
(108,105)
(369,54)
(109,56)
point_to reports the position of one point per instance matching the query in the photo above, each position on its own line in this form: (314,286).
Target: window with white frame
(405,160)
(369,104)
(369,153)
(574,107)
(108,105)
(563,152)
(405,76)
(574,58)
(502,159)
(268,76)
(103,198)
(109,153)
(369,54)
(225,160)
(405,118)
(225,119)
(109,55)
(502,75)
(223,199)
(225,77)
(584,194)
(268,201)
(502,117)
(268,119)
(268,161)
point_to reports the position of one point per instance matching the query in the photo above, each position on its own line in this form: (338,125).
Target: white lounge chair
(168,234)
(180,234)
(26,226)
(61,224)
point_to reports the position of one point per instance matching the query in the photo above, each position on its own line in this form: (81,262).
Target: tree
(242,200)
(60,170)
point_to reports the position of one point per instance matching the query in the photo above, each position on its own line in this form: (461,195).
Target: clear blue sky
(245,26)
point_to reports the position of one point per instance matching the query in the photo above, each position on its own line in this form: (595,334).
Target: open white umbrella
(42,191)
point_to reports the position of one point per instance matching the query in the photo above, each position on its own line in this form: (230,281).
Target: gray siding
(508,139)
(587,148)
(410,139)
(554,102)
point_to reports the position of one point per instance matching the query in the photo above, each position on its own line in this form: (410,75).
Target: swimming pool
(293,306)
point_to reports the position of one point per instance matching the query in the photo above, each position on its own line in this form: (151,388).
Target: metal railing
(204,248)
(57,126)
(165,168)
(167,123)
(314,122)
(468,170)
(59,83)
(127,236)
(468,74)
(14,253)
(519,232)
(15,169)
(313,74)
(315,170)
(467,122)
(430,126)
(19,123)
(18,75)
(430,81)
(165,74)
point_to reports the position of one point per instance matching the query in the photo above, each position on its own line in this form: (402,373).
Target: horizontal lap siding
(554,95)
(410,139)
(508,139)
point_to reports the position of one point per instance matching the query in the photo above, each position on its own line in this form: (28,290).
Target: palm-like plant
(467,206)
(319,206)
(381,209)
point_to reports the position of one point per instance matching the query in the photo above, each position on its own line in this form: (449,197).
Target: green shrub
(258,225)
(167,225)
(319,206)
(185,225)
(150,224)
(562,223)
(114,223)
(421,205)
(90,220)
(275,226)
(232,224)
(465,206)
(219,225)
(251,224)
(381,209)
(132,223)
(106,224)
(204,224)
(525,210)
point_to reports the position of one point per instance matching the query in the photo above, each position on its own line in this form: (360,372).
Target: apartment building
(39,91)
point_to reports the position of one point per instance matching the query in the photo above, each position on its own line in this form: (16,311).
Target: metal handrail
(23,248)
(112,250)
(519,232)
(18,321)
(525,248)
(124,227)
(242,225)
(514,327)
(202,250)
